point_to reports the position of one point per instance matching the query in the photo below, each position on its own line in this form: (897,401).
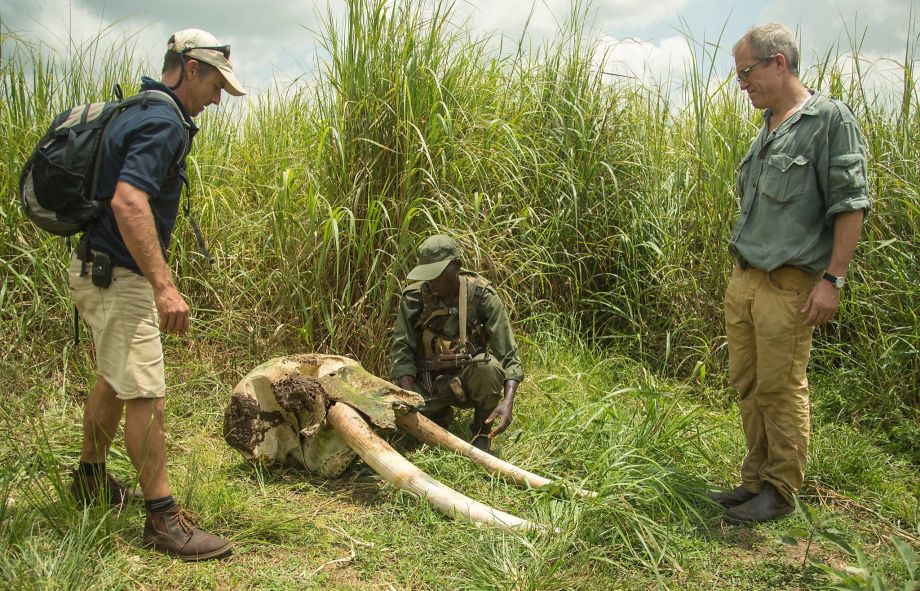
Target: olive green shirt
(793,182)
(490,313)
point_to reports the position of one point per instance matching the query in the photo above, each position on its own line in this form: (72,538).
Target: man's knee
(483,383)
(103,390)
(149,411)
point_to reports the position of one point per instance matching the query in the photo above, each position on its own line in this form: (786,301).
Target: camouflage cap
(434,254)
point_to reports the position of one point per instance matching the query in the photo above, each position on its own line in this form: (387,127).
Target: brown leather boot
(732,497)
(89,490)
(174,532)
(766,506)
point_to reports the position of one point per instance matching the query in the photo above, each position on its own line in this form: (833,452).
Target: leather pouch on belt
(456,388)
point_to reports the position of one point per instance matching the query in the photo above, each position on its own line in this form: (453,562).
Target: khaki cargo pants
(768,350)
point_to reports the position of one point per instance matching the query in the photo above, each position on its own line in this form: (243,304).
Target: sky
(278,40)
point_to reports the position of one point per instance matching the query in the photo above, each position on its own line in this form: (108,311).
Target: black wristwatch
(838,282)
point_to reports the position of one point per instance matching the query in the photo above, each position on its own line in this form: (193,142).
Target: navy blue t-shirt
(141,148)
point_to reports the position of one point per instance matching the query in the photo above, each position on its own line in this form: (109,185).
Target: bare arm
(135,222)
(824,299)
(502,412)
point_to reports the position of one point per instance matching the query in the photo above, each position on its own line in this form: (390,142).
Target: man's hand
(503,410)
(174,312)
(824,299)
(134,218)
(822,303)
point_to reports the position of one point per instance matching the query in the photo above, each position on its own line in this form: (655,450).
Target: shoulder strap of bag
(144,97)
(463,303)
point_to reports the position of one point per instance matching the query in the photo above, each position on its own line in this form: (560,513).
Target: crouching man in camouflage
(453,344)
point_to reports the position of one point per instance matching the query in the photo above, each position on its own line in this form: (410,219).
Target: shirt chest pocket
(744,176)
(784,177)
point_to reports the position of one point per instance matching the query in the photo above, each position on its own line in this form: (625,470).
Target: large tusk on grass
(427,431)
(401,473)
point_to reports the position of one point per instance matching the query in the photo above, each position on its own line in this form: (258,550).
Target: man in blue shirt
(143,163)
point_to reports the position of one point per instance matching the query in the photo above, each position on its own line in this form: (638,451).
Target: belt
(90,255)
(744,264)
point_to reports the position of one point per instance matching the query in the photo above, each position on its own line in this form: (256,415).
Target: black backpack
(57,186)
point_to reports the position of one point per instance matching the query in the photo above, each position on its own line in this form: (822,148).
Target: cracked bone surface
(301,410)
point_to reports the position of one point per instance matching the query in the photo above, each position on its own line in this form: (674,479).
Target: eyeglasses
(744,74)
(224,49)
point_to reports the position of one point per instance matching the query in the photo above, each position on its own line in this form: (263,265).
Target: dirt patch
(245,423)
(297,392)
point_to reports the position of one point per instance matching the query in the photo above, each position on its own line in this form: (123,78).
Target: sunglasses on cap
(224,49)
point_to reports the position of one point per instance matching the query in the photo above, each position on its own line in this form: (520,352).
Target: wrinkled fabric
(768,350)
(793,182)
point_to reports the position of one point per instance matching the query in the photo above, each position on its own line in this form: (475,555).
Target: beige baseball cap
(204,47)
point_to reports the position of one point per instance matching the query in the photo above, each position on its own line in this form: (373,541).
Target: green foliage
(600,211)
(609,203)
(864,576)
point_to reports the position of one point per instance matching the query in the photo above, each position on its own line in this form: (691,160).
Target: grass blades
(599,210)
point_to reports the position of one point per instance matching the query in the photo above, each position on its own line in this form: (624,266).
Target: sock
(159,505)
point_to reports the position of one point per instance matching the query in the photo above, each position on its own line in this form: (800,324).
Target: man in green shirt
(803,195)
(452,343)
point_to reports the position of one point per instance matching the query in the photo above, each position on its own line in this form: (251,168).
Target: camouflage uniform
(487,329)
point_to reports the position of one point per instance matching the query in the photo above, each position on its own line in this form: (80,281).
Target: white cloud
(277,39)
(623,14)
(543,17)
(880,27)
(269,39)
(646,61)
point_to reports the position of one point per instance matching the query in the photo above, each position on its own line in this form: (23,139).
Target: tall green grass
(605,204)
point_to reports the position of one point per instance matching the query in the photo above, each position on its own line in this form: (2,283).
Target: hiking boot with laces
(175,532)
(90,489)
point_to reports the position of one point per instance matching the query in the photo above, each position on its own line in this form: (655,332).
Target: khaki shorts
(125,325)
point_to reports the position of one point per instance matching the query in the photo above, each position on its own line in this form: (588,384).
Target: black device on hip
(102,269)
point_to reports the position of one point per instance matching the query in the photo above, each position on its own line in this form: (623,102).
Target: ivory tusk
(401,473)
(427,431)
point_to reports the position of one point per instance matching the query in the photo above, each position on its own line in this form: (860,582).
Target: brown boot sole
(220,552)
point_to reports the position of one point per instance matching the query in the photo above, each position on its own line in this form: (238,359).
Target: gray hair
(771,39)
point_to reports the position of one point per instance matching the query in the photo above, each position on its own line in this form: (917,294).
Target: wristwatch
(838,282)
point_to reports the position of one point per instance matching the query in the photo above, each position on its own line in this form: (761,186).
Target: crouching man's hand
(502,412)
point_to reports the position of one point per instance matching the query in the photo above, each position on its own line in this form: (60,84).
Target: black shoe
(766,506)
(482,443)
(443,417)
(732,497)
(89,490)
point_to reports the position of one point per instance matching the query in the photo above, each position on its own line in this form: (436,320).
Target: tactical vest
(472,338)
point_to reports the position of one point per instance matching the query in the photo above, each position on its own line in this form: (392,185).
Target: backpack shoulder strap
(476,290)
(145,96)
(462,302)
